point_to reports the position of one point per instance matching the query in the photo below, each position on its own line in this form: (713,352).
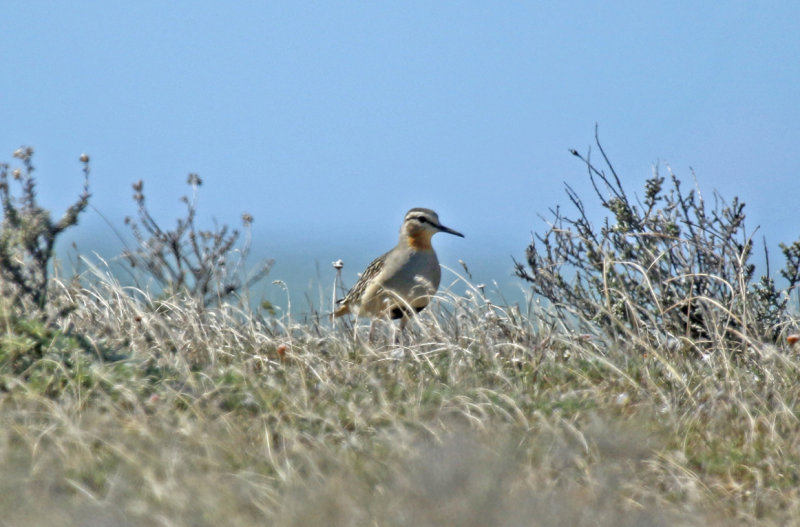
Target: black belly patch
(400,312)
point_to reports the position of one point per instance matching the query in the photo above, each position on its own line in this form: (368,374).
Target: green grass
(133,412)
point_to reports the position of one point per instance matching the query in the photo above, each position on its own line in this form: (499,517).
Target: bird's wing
(357,291)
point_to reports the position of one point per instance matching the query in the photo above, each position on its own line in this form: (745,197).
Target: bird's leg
(371,331)
(400,333)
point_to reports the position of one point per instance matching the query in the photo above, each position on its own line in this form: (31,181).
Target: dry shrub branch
(669,268)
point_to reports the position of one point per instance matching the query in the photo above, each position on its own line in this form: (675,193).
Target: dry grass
(139,411)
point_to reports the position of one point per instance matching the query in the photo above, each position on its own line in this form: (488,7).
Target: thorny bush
(205,264)
(28,234)
(669,269)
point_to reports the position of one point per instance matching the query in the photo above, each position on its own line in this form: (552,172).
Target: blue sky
(328,120)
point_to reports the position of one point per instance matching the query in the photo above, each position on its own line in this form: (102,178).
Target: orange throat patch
(421,241)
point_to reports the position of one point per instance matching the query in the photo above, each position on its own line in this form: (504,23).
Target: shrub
(204,264)
(667,267)
(28,234)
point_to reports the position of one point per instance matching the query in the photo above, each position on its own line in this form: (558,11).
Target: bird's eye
(422,219)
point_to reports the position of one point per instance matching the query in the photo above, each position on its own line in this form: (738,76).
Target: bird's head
(420,225)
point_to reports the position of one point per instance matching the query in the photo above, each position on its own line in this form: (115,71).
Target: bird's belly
(413,282)
(419,275)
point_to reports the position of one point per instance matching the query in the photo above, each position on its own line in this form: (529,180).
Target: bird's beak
(448,230)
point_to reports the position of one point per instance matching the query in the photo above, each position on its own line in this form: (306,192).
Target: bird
(402,280)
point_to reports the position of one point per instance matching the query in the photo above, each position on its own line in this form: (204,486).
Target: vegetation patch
(649,380)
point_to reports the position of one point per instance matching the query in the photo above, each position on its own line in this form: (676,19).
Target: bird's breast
(415,273)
